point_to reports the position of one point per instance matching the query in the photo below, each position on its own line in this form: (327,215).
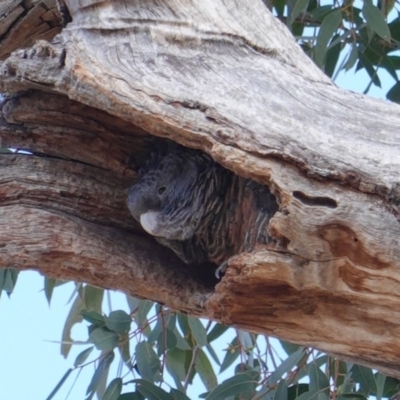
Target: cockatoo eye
(161,190)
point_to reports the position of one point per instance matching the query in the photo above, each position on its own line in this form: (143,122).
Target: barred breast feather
(202,211)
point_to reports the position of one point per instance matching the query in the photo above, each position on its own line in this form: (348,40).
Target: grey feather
(199,209)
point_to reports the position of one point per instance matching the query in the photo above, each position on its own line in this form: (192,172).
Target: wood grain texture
(69,221)
(227,78)
(22,22)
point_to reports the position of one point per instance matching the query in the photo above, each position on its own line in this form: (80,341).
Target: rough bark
(227,78)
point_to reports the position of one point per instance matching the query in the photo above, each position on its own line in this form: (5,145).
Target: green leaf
(213,354)
(391,64)
(93,317)
(156,332)
(297,390)
(74,316)
(365,378)
(178,361)
(151,391)
(124,348)
(329,26)
(101,370)
(376,20)
(370,69)
(394,27)
(311,395)
(318,380)
(289,348)
(131,396)
(198,331)
(281,391)
(59,384)
(204,368)
(300,6)
(279,6)
(82,356)
(394,93)
(113,390)
(147,361)
(49,284)
(93,297)
(180,341)
(10,279)
(144,308)
(216,332)
(353,57)
(320,13)
(118,321)
(166,341)
(380,385)
(332,57)
(392,386)
(286,366)
(133,303)
(178,395)
(2,276)
(184,324)
(171,321)
(232,353)
(238,385)
(103,339)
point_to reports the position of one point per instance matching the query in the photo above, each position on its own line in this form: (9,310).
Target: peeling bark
(228,79)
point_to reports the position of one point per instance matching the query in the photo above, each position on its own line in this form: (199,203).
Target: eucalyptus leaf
(394,93)
(93,298)
(310,395)
(281,391)
(59,384)
(49,284)
(131,396)
(300,6)
(180,341)
(178,395)
(93,317)
(365,378)
(166,341)
(198,331)
(352,58)
(376,20)
(238,385)
(178,361)
(82,356)
(205,370)
(124,348)
(319,382)
(101,370)
(118,321)
(286,366)
(103,339)
(216,331)
(380,385)
(289,347)
(232,353)
(329,26)
(113,390)
(151,391)
(147,361)
(73,317)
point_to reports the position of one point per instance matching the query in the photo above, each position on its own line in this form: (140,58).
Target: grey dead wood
(224,77)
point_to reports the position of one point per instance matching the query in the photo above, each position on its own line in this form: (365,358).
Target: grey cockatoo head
(165,200)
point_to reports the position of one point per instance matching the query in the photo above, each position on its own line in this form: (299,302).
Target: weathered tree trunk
(227,78)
